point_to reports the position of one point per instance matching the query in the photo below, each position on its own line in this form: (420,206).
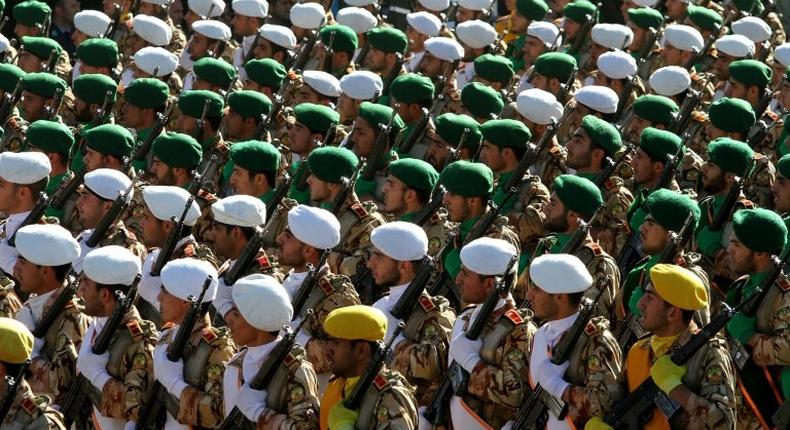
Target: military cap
(345,39)
(279,35)
(192,102)
(560,274)
(435,5)
(603,134)
(670,209)
(760,230)
(387,39)
(757,30)
(153,30)
(266,72)
(425,23)
(444,48)
(356,322)
(375,114)
(16,341)
(781,52)
(670,81)
(317,118)
(252,8)
(656,109)
(314,226)
(475,33)
(598,98)
(684,37)
(111,265)
(178,150)
(546,32)
(212,29)
(704,18)
(617,64)
(215,71)
(92,23)
(450,127)
(98,52)
(240,210)
(50,136)
(332,164)
(363,85)
(361,3)
(534,10)
(207,8)
(93,88)
(731,155)
(481,101)
(467,179)
(679,287)
(255,156)
(506,133)
(753,7)
(41,47)
(147,93)
(255,292)
(538,106)
(184,279)
(249,104)
(107,183)
(645,17)
(24,168)
(309,16)
(10,74)
(751,72)
(783,166)
(739,46)
(475,5)
(659,144)
(400,240)
(415,173)
(578,194)
(555,65)
(731,115)
(646,3)
(110,139)
(155,61)
(47,245)
(31,13)
(612,36)
(580,11)
(358,19)
(412,88)
(322,82)
(167,201)
(488,256)
(496,68)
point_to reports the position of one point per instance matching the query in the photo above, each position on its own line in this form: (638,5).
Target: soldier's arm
(203,407)
(58,373)
(395,410)
(601,371)
(507,384)
(302,400)
(122,398)
(426,357)
(773,349)
(312,336)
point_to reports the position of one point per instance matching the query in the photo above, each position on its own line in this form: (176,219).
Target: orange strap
(751,404)
(638,365)
(332,395)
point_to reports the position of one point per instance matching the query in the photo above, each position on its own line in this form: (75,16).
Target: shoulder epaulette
(380,382)
(610,184)
(209,335)
(263,261)
(14,123)
(514,317)
(426,303)
(590,328)
(135,330)
(680,260)
(699,116)
(189,250)
(289,359)
(326,286)
(783,283)
(28,405)
(359,210)
(594,247)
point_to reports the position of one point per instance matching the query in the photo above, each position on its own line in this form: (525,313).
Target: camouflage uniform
(14,138)
(356,223)
(523,210)
(118,235)
(434,227)
(30,412)
(262,264)
(9,301)
(610,228)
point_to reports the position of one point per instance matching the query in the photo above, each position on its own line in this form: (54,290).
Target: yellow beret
(358,322)
(16,341)
(679,287)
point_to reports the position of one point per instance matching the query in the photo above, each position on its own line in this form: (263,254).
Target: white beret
(254,293)
(782,54)
(425,23)
(212,29)
(752,27)
(185,277)
(598,98)
(476,34)
(361,85)
(400,240)
(479,5)
(612,36)
(108,183)
(158,2)
(645,3)
(617,64)
(152,29)
(253,8)
(683,37)
(279,35)
(314,226)
(361,3)
(735,45)
(322,82)
(444,48)
(670,81)
(560,274)
(435,5)
(308,15)
(487,256)
(167,201)
(203,7)
(150,58)
(111,265)
(239,210)
(358,19)
(538,106)
(46,245)
(4,43)
(546,32)
(92,23)
(24,168)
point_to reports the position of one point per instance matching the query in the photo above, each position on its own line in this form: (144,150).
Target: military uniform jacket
(524,209)
(29,412)
(14,138)
(118,235)
(610,228)
(9,301)
(356,223)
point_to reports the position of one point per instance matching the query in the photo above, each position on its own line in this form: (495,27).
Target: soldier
(107,146)
(606,38)
(98,56)
(247,20)
(213,74)
(146,31)
(344,44)
(781,189)
(368,129)
(616,70)
(538,109)
(410,93)
(122,375)
(421,26)
(594,100)
(357,87)
(387,45)
(196,380)
(265,76)
(512,28)
(175,158)
(552,71)
(389,402)
(90,90)
(477,38)
(494,71)
(40,54)
(441,53)
(640,20)
(31,18)
(208,36)
(305,17)
(144,99)
(203,9)
(27,411)
(156,62)
(246,110)
(45,255)
(650,110)
(207,132)
(255,166)
(39,91)
(577,17)
(291,398)
(55,140)
(317,87)
(481,102)
(540,37)
(444,147)
(312,123)
(729,48)
(360,20)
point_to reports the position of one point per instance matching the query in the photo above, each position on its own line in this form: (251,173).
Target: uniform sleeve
(713,405)
(302,401)
(8,256)
(774,349)
(395,410)
(122,398)
(203,407)
(58,373)
(601,371)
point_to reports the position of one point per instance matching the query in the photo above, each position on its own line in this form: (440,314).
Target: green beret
(191,103)
(249,104)
(506,133)
(760,230)
(331,164)
(41,47)
(255,156)
(481,101)
(534,10)
(178,150)
(578,194)
(555,65)
(345,39)
(468,179)
(375,114)
(580,11)
(751,72)
(266,72)
(731,115)
(215,71)
(415,173)
(704,18)
(318,118)
(147,93)
(655,109)
(658,144)
(110,139)
(783,166)
(731,155)
(98,52)
(670,209)
(752,7)
(10,74)
(494,68)
(451,126)
(602,134)
(93,88)
(387,39)
(31,13)
(43,84)
(412,88)
(645,17)
(2,6)
(50,136)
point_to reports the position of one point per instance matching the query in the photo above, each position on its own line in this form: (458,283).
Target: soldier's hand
(596,423)
(93,366)
(550,377)
(342,418)
(252,403)
(169,373)
(465,351)
(666,374)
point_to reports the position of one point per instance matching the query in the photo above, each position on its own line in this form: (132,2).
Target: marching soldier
(55,140)
(344,44)
(107,146)
(410,93)
(265,76)
(312,123)
(246,110)
(175,158)
(206,130)
(480,101)
(357,87)
(210,38)
(368,129)
(143,100)
(538,109)
(247,21)
(214,75)
(39,92)
(447,136)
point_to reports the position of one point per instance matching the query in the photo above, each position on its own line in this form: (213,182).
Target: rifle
(394,72)
(304,171)
(113,27)
(652,36)
(347,189)
(763,103)
(416,133)
(48,318)
(200,178)
(10,100)
(682,118)
(201,122)
(584,31)
(763,127)
(607,173)
(279,194)
(34,216)
(219,48)
(279,100)
(408,301)
(580,233)
(565,89)
(108,220)
(169,246)
(300,298)
(246,258)
(52,61)
(251,53)
(327,65)
(727,207)
(629,86)
(455,153)
(12,386)
(51,111)
(363,54)
(382,140)
(427,211)
(304,52)
(161,121)
(371,372)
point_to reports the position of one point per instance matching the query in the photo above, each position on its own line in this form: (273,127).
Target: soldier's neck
(591,169)
(147,123)
(261,338)
(58,169)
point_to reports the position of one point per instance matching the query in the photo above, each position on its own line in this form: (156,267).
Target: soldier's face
(300,138)
(9,195)
(384,269)
(492,157)
(82,110)
(416,39)
(290,251)
(540,82)
(162,173)
(343,356)
(654,310)
(93,160)
(186,124)
(242,182)
(394,195)
(243,25)
(676,9)
(533,47)
(154,232)
(457,207)
(133,115)
(78,37)
(29,275)
(781,192)
(430,66)
(376,61)
(579,154)
(712,178)
(542,303)
(652,236)
(364,138)
(518,23)
(712,132)
(90,295)
(32,106)
(90,209)
(198,46)
(722,66)
(643,167)
(463,14)
(347,107)
(474,288)
(438,152)
(319,190)
(241,331)
(671,55)
(306,95)
(740,257)
(636,127)
(735,89)
(171,307)
(263,49)
(556,215)
(571,29)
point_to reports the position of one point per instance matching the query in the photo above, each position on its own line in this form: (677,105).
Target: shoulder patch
(783,283)
(289,359)
(135,330)
(590,329)
(28,405)
(680,261)
(514,317)
(595,248)
(326,286)
(380,382)
(209,335)
(426,303)
(189,250)
(609,184)
(359,211)
(263,261)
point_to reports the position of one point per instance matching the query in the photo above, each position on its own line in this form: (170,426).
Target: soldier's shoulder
(598,327)
(217,336)
(142,330)
(518,318)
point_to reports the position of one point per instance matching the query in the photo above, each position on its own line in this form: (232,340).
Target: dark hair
(61,271)
(423,197)
(686,315)
(575,298)
(12,369)
(37,187)
(213,121)
(248,232)
(113,288)
(270,175)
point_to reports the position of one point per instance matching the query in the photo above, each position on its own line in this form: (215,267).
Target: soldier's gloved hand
(423,423)
(742,327)
(550,377)
(93,366)
(666,374)
(342,418)
(596,423)
(465,351)
(169,373)
(508,425)
(251,402)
